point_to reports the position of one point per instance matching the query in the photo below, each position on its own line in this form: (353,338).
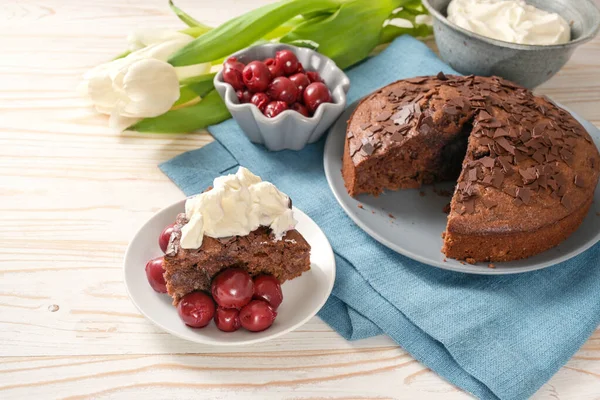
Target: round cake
(526,170)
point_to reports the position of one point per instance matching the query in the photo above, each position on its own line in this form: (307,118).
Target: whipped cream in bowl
(236,205)
(524,41)
(512,21)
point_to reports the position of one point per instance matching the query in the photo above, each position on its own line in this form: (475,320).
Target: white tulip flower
(142,84)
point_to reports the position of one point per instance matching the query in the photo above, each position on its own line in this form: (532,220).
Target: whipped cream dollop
(510,20)
(236,205)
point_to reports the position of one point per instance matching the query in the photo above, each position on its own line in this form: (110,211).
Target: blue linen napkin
(493,336)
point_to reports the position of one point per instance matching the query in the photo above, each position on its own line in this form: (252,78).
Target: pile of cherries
(277,84)
(240,300)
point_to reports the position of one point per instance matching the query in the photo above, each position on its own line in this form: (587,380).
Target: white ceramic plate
(411,221)
(302,297)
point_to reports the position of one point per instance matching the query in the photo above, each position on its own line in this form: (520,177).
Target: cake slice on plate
(241,221)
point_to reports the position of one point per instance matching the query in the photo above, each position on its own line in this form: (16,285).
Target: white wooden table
(72,194)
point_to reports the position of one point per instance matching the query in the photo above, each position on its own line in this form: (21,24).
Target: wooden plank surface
(72,193)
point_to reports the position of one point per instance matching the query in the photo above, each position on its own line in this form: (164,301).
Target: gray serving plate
(411,221)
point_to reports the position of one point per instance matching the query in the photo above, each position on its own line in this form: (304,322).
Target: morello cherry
(275,108)
(233,62)
(301,109)
(260,100)
(268,288)
(313,76)
(256,76)
(274,67)
(227,319)
(232,288)
(233,76)
(300,69)
(301,81)
(283,89)
(165,236)
(154,273)
(243,96)
(288,61)
(316,94)
(196,309)
(257,316)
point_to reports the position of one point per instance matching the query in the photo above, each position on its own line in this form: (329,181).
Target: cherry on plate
(283,89)
(232,288)
(274,67)
(154,273)
(316,94)
(196,309)
(227,319)
(298,107)
(275,108)
(243,96)
(165,235)
(288,61)
(300,69)
(301,81)
(257,316)
(256,76)
(233,76)
(313,76)
(260,100)
(268,288)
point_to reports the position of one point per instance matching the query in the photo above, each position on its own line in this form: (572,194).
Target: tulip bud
(142,84)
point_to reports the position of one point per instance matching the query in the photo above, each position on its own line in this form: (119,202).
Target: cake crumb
(361,206)
(471,260)
(445,260)
(490,265)
(53,308)
(422,193)
(391,216)
(462,262)
(446,209)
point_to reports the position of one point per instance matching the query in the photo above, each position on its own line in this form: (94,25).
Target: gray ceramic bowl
(527,65)
(290,129)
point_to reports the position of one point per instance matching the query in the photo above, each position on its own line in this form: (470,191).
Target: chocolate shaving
(489,204)
(441,76)
(511,191)
(578,181)
(497,178)
(365,125)
(384,116)
(397,137)
(524,194)
(505,144)
(487,162)
(500,133)
(367,149)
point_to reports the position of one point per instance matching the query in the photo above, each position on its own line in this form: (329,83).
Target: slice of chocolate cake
(253,225)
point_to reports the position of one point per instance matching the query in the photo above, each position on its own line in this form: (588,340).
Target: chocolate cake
(258,252)
(526,170)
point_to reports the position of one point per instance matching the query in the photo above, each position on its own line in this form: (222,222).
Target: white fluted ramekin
(290,129)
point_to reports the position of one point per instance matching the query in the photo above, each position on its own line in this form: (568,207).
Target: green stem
(244,30)
(186,18)
(209,111)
